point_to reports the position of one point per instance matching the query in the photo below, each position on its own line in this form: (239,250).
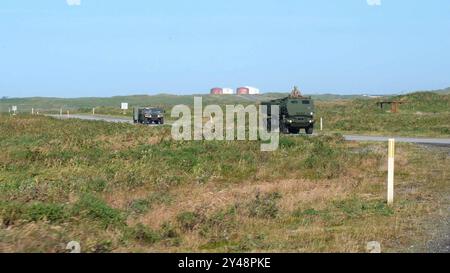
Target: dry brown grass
(415,205)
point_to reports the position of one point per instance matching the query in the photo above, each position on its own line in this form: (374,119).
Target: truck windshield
(153,111)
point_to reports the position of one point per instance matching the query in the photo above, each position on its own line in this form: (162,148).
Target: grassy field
(162,100)
(423,114)
(120,188)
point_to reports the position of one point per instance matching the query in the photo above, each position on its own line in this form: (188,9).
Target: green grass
(423,114)
(119,187)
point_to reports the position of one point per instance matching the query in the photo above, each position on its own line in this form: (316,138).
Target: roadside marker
(60,112)
(68,115)
(390,186)
(321,124)
(93,111)
(32,111)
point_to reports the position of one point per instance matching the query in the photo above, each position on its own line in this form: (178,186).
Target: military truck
(148,115)
(296,112)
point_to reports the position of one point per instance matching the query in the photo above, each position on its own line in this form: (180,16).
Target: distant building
(216,91)
(228,91)
(220,91)
(247,90)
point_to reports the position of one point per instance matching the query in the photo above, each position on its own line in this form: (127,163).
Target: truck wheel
(309,130)
(161,121)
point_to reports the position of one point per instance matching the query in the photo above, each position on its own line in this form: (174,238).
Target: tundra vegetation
(423,114)
(121,187)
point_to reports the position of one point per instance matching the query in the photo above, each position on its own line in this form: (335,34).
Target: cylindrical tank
(253,90)
(216,91)
(243,91)
(228,91)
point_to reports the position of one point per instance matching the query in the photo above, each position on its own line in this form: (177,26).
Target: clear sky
(72,48)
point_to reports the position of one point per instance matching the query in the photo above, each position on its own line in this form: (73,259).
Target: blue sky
(117,47)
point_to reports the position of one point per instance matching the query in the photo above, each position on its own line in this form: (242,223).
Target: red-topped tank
(216,91)
(243,91)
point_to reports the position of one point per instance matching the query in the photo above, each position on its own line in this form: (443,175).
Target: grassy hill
(423,114)
(161,100)
(443,91)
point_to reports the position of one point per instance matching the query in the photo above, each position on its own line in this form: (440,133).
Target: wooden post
(390,185)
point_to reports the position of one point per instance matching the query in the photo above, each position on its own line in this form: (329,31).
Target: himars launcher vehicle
(296,112)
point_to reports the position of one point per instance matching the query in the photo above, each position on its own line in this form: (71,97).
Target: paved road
(436,141)
(96,117)
(433,141)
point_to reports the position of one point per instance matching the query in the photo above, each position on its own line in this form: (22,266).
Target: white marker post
(321,124)
(60,112)
(390,186)
(14,109)
(93,111)
(68,115)
(32,111)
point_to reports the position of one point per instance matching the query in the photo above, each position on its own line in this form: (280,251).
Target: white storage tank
(252,90)
(227,91)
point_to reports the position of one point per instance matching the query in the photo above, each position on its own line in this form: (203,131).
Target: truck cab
(296,113)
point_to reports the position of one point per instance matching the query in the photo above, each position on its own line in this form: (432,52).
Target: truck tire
(309,130)
(161,121)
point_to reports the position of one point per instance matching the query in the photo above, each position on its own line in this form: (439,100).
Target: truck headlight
(310,121)
(312,113)
(290,121)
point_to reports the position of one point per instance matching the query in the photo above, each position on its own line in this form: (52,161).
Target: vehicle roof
(150,108)
(288,98)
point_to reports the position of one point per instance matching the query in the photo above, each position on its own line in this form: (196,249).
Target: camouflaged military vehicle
(296,112)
